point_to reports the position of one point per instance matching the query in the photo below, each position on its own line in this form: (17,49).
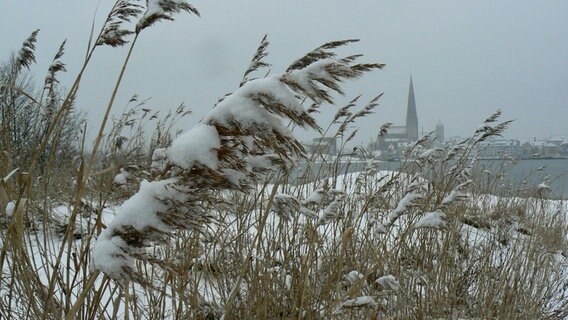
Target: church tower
(411,116)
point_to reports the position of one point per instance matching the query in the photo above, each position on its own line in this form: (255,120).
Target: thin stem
(85,176)
(107,112)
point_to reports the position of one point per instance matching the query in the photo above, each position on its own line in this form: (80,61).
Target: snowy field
(503,253)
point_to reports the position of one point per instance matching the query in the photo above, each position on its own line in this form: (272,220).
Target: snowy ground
(42,246)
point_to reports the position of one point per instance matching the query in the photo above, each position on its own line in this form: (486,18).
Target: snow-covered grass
(479,264)
(214,223)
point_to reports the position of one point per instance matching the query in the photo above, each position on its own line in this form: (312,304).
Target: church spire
(411,116)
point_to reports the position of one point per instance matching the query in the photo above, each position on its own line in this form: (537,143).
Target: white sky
(467,58)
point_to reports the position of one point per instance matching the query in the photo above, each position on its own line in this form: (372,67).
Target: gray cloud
(467,58)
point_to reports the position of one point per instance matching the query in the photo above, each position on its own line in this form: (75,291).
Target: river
(522,175)
(553,172)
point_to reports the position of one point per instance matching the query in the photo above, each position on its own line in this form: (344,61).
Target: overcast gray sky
(467,58)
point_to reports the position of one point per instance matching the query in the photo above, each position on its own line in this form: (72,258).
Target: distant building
(499,149)
(561,142)
(411,116)
(400,136)
(396,133)
(323,145)
(440,132)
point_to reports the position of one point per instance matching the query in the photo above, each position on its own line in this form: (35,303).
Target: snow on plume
(285,205)
(153,8)
(331,212)
(109,256)
(288,281)
(454,195)
(403,205)
(434,219)
(388,282)
(121,178)
(259,161)
(10,175)
(315,198)
(543,187)
(242,111)
(157,10)
(159,158)
(458,193)
(111,253)
(243,108)
(10,208)
(198,145)
(359,302)
(308,213)
(352,277)
(316,70)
